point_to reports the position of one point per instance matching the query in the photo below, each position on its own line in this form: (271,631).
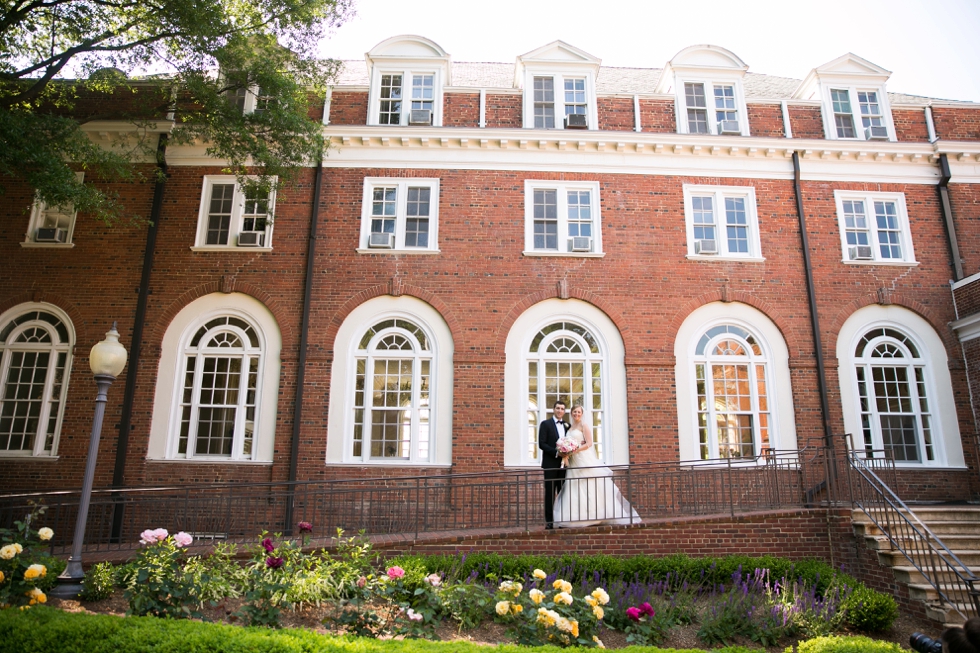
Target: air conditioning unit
(251,239)
(860,253)
(876,133)
(44,235)
(420,117)
(576,121)
(728,127)
(705,246)
(381,241)
(581,244)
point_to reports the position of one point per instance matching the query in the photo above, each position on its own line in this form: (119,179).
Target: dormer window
(407,77)
(707,83)
(843,117)
(559,87)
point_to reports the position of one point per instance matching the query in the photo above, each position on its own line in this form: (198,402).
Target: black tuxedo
(554,473)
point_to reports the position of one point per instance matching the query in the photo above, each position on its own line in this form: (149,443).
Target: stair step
(939,528)
(894,558)
(909,574)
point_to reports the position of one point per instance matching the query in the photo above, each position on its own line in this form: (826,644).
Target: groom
(554,474)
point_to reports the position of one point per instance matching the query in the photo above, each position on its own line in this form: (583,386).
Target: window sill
(30,244)
(534,252)
(228,248)
(26,455)
(209,461)
(389,465)
(893,264)
(723,257)
(385,250)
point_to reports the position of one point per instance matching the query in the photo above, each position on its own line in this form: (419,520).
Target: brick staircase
(957,526)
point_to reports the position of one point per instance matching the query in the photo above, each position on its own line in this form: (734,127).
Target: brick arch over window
(901,299)
(62,303)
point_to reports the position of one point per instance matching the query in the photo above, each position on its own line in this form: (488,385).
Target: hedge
(850,644)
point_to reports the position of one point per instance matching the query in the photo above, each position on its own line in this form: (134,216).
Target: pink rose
(362,581)
(305,527)
(633,613)
(153,536)
(434,579)
(183,539)
(395,572)
(161,534)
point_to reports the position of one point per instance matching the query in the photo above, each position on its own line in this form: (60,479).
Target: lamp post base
(69,582)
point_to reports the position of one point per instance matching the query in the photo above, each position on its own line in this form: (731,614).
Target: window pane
(737,225)
(23,400)
(219,213)
(888,230)
(391,100)
(843,118)
(704,218)
(545,219)
(725,103)
(697,114)
(417,222)
(383,208)
(544,102)
(423,91)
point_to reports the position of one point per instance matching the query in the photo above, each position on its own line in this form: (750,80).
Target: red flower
(268,545)
(646,608)
(633,613)
(305,527)
(273,562)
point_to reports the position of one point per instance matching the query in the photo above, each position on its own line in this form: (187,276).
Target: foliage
(27,570)
(179,47)
(214,577)
(160,587)
(870,611)
(646,626)
(835,644)
(99,582)
(266,582)
(467,604)
(549,612)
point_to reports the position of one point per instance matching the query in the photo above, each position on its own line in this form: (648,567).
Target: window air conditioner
(251,239)
(45,235)
(729,127)
(381,241)
(876,133)
(576,121)
(705,247)
(420,117)
(860,253)
(581,244)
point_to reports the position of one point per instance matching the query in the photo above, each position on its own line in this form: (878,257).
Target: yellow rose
(539,574)
(598,642)
(563,597)
(2,577)
(503,607)
(536,595)
(36,596)
(35,571)
(600,595)
(17,547)
(574,628)
(564,625)
(598,612)
(516,608)
(558,583)
(591,601)
(45,534)
(8,552)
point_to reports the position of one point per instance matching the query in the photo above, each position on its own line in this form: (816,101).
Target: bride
(589,496)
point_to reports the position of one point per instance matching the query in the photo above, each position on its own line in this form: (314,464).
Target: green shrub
(835,644)
(99,582)
(869,610)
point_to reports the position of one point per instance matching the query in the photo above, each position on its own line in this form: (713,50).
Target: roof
(610,81)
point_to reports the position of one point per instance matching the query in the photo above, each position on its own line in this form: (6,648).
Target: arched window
(894,396)
(392,399)
(35,357)
(733,417)
(219,389)
(564,363)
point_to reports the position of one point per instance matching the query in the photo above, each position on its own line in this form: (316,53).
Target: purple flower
(646,608)
(268,545)
(273,562)
(305,527)
(633,613)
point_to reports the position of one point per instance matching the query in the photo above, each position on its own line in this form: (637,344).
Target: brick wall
(504,110)
(805,121)
(968,299)
(910,125)
(766,120)
(616,114)
(658,116)
(348,107)
(965,202)
(461,110)
(956,124)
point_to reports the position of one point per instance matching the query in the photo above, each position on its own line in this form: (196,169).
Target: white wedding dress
(589,495)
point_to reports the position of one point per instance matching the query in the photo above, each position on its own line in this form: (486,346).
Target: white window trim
(530,185)
(38,209)
(38,451)
(340,421)
(830,125)
(235,226)
(719,193)
(525,327)
(680,103)
(782,421)
(869,197)
(374,92)
(946,430)
(403,184)
(165,425)
(559,75)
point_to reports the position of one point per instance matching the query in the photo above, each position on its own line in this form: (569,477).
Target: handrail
(914,539)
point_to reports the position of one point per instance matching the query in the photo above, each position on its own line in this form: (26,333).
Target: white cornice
(968,328)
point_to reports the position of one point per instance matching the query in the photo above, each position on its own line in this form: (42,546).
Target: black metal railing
(410,506)
(953,581)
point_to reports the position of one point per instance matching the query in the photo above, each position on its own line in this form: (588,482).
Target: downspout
(304,330)
(814,319)
(136,346)
(954,249)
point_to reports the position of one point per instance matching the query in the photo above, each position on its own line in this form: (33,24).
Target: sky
(932,47)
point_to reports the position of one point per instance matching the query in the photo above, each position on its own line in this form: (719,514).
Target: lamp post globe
(107,360)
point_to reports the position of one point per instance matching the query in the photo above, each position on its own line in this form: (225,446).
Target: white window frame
(680,99)
(407,73)
(718,195)
(252,95)
(55,347)
(40,210)
(401,214)
(591,112)
(236,225)
(830,124)
(562,189)
(869,198)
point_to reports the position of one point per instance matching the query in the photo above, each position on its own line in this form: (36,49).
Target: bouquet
(565,446)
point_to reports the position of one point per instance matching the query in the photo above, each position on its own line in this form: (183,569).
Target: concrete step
(893,558)
(910,575)
(946,614)
(939,528)
(934,513)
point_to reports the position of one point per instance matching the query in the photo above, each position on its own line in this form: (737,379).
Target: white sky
(932,47)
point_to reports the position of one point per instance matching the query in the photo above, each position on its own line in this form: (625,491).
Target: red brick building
(484,239)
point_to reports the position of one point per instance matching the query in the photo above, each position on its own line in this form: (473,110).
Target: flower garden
(354,596)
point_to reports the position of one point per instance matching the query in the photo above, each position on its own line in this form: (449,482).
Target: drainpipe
(954,249)
(304,330)
(135,347)
(814,319)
